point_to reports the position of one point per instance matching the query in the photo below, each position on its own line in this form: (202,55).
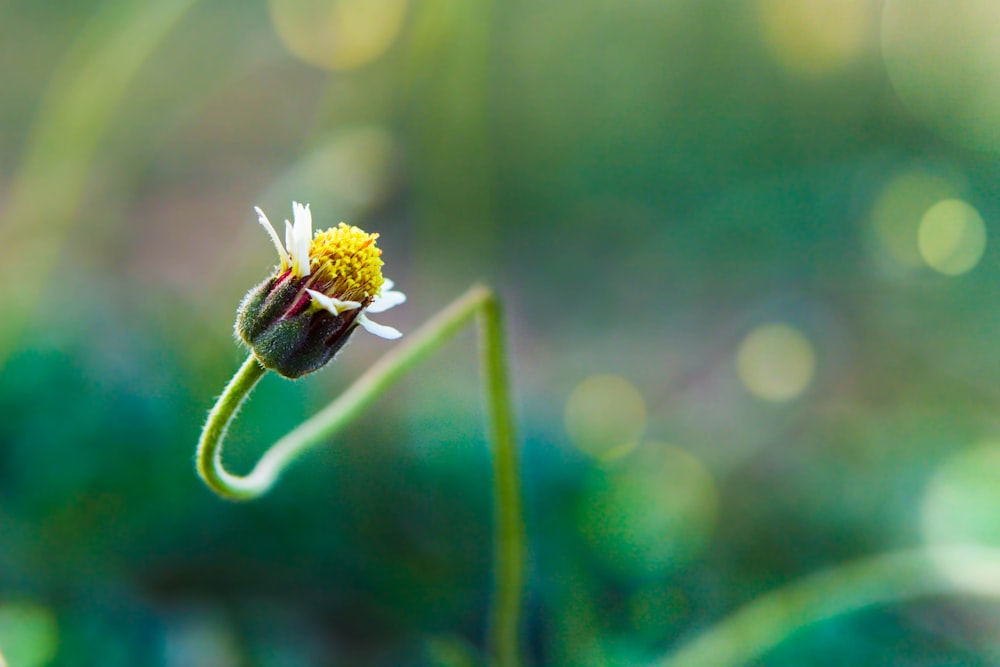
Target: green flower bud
(287,332)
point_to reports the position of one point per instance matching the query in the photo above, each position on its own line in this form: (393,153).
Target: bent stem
(767,621)
(509,541)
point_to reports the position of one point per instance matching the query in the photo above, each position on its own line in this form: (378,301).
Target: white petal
(380,330)
(262,219)
(386,300)
(301,237)
(289,238)
(387,284)
(346,304)
(332,304)
(323,301)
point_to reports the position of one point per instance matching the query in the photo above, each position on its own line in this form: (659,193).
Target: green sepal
(286,333)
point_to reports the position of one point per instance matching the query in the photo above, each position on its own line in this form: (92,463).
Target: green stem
(209,454)
(764,623)
(508,526)
(509,539)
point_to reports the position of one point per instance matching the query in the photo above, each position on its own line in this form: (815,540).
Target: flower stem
(209,454)
(509,539)
(764,623)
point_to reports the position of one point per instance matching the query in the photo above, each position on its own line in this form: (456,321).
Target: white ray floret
(331,303)
(379,330)
(266,224)
(298,238)
(387,298)
(384,301)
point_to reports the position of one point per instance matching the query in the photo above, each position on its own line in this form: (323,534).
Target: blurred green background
(748,254)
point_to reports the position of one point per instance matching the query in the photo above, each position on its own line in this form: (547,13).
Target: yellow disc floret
(346,263)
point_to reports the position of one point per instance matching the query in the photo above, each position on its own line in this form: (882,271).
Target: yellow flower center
(346,263)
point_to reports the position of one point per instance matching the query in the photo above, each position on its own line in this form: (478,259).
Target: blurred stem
(761,625)
(448,72)
(509,541)
(75,114)
(508,524)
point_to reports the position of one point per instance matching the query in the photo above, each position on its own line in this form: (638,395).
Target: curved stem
(509,540)
(767,621)
(209,454)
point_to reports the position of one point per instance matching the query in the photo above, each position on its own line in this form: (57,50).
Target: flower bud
(287,335)
(296,320)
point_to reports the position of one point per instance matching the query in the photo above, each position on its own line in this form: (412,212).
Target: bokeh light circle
(652,516)
(943,59)
(952,237)
(605,416)
(338,34)
(962,502)
(776,362)
(29,634)
(347,171)
(898,210)
(816,37)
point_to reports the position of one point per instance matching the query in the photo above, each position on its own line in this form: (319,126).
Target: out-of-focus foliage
(748,250)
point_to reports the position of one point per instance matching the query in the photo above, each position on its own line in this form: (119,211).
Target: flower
(297,319)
